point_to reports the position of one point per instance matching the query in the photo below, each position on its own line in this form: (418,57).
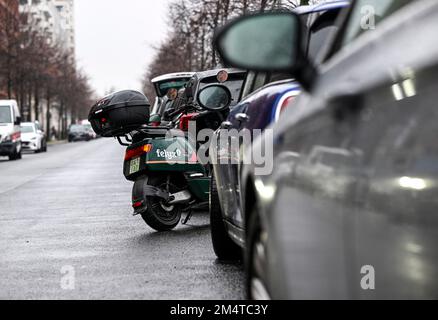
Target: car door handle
(242,117)
(226,125)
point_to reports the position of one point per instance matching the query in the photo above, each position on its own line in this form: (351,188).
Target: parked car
(367,121)
(88,126)
(266,96)
(10,134)
(33,138)
(79,132)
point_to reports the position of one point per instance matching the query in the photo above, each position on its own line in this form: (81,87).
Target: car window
(320,32)
(27,129)
(260,80)
(167,106)
(278,76)
(367,14)
(77,128)
(248,85)
(165,86)
(235,88)
(5,114)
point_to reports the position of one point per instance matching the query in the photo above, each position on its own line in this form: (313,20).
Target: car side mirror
(266,42)
(215,97)
(17,121)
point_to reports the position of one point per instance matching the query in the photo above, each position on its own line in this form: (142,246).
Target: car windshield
(5,114)
(77,128)
(27,129)
(164,87)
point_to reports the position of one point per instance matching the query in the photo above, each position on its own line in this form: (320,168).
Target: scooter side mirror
(215,97)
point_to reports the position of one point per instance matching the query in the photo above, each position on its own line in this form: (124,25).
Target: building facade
(66,11)
(55,21)
(46,16)
(55,18)
(9,24)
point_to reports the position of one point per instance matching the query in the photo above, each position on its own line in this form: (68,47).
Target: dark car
(349,209)
(261,106)
(78,132)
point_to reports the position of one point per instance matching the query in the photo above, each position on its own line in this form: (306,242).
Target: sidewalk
(55,142)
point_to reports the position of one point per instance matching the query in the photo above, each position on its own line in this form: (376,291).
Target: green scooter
(162,161)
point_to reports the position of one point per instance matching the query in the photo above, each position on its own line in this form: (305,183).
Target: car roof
(211,73)
(322,7)
(171,76)
(7,103)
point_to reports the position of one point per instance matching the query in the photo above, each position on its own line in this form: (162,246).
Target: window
(247,87)
(27,129)
(235,87)
(279,76)
(77,128)
(260,80)
(5,114)
(366,12)
(320,32)
(165,86)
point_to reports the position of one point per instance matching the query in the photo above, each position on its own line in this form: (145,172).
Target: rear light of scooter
(285,102)
(155,124)
(137,204)
(185,121)
(137,152)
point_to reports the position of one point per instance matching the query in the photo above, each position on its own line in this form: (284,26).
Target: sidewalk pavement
(55,142)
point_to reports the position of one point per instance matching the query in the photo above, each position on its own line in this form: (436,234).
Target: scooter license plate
(134,166)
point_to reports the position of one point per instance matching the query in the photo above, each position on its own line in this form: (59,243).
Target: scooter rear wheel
(159,215)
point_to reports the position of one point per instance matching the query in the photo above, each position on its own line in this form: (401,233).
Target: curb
(52,143)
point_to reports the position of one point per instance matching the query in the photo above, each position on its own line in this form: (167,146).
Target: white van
(10,131)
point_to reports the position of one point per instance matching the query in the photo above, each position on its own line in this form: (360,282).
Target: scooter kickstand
(187,219)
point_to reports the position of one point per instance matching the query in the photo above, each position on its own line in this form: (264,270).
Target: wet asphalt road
(65,219)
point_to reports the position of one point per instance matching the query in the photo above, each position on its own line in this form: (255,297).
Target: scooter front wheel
(160,215)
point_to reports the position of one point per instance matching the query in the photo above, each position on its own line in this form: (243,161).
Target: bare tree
(188,46)
(37,70)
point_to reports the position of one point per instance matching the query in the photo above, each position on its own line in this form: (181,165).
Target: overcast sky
(114,40)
